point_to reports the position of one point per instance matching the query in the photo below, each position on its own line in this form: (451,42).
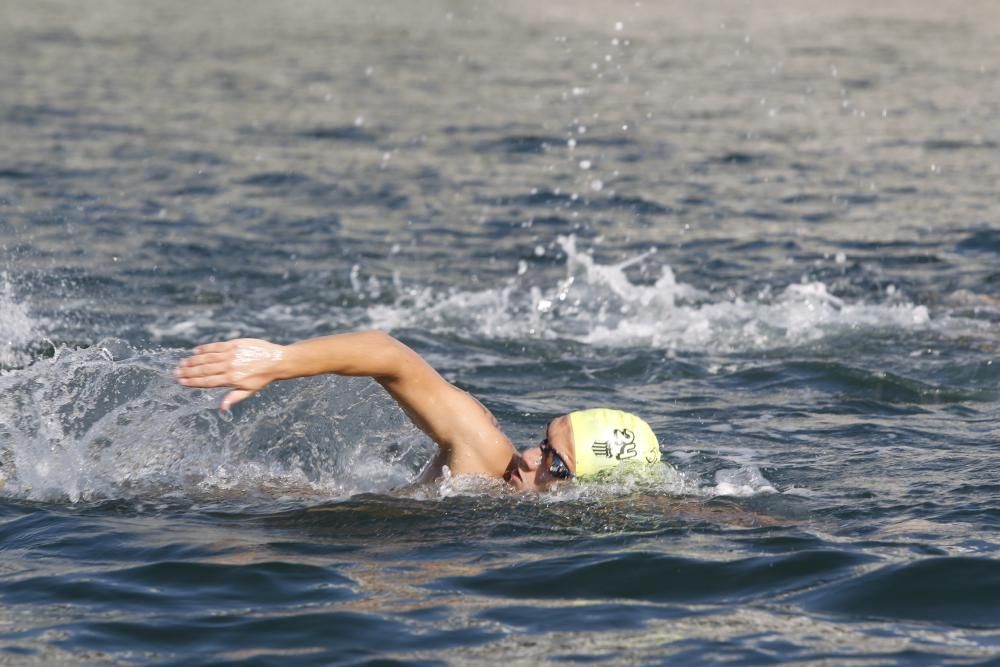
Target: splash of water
(598,304)
(17,327)
(110,422)
(741,482)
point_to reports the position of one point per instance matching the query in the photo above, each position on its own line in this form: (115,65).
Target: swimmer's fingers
(245,365)
(235,396)
(205,382)
(202,359)
(204,369)
(222,346)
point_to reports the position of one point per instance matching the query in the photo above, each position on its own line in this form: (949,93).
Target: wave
(556,200)
(656,577)
(521,144)
(956,591)
(348,133)
(985,241)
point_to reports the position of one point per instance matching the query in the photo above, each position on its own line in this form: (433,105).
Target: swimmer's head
(604,439)
(584,444)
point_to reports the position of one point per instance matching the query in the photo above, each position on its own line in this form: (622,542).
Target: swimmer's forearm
(420,391)
(367,353)
(247,365)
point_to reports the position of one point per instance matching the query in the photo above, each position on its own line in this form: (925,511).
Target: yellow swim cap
(604,439)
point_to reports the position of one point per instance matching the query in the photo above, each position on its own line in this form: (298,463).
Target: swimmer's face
(531,470)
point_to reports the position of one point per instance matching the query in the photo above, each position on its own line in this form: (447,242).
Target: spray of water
(598,304)
(110,422)
(17,328)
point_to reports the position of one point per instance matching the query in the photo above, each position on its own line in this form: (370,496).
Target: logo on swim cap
(604,439)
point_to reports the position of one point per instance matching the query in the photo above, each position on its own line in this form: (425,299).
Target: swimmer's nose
(531,458)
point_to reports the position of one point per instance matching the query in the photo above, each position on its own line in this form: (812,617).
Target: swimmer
(470,442)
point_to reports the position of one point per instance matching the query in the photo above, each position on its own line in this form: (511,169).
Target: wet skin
(530,469)
(469,439)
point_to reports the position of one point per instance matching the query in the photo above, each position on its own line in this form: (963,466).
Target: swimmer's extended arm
(466,432)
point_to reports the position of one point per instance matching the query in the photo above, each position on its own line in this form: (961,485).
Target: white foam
(742,482)
(597,304)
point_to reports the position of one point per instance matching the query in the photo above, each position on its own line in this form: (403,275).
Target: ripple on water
(986,240)
(345,133)
(185,586)
(953,591)
(656,577)
(307,637)
(526,144)
(568,200)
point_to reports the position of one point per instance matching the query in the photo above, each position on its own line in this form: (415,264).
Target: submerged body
(469,438)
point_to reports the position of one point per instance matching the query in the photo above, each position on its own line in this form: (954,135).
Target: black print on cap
(622,446)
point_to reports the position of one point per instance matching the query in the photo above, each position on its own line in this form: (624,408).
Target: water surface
(771,231)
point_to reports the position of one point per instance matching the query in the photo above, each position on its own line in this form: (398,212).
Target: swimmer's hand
(245,364)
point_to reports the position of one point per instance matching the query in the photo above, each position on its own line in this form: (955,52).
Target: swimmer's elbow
(383,337)
(396,360)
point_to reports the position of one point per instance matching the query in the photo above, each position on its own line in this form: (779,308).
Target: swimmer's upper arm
(465,430)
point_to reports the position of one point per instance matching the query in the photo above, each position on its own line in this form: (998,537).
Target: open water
(770,228)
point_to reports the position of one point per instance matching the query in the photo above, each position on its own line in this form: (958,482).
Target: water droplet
(596,185)
(585,164)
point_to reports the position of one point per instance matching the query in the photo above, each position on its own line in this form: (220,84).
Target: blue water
(771,231)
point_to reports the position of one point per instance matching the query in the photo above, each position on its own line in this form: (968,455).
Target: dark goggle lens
(557,467)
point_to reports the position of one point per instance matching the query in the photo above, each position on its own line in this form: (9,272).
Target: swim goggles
(557,467)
